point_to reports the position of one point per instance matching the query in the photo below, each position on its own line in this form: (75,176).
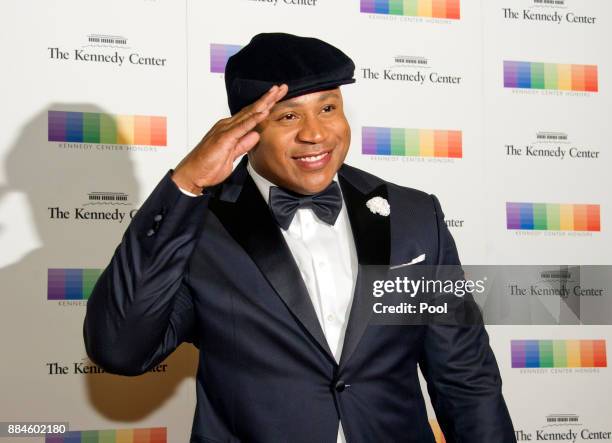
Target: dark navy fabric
(215,271)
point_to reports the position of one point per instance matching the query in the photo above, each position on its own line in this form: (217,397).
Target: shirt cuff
(184,191)
(190,194)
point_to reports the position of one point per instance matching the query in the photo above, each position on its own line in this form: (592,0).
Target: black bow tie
(326,204)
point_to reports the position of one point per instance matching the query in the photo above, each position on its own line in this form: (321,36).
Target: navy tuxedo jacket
(215,271)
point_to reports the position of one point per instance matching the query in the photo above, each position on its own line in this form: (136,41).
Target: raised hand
(211,161)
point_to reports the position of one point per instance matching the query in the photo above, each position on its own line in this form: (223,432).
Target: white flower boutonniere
(379,205)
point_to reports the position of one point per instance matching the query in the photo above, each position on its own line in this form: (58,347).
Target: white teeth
(313,158)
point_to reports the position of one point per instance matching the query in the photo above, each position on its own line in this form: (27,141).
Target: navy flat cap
(305,64)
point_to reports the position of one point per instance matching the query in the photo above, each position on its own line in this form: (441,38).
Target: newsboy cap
(305,64)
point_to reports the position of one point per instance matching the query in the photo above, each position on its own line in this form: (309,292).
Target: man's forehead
(315,97)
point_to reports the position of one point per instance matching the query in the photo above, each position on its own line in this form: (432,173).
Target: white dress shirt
(327,260)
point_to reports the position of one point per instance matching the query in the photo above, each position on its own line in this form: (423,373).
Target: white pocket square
(415,260)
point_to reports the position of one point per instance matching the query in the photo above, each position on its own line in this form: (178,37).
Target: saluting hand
(211,161)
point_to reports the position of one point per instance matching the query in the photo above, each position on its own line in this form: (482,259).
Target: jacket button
(340,385)
(158,217)
(150,232)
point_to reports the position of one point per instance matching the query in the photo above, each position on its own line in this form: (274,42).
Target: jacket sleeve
(140,309)
(462,375)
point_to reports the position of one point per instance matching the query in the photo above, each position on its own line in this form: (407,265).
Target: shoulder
(402,195)
(416,221)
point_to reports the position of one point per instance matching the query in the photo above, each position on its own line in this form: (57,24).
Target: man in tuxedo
(261,268)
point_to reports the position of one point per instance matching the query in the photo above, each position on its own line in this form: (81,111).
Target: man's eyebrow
(328,95)
(292,104)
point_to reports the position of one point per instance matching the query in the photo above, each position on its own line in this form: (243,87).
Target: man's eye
(288,117)
(329,108)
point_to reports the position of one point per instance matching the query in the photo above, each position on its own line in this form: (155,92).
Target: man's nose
(311,130)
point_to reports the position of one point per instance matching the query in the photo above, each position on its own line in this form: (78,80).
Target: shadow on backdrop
(40,332)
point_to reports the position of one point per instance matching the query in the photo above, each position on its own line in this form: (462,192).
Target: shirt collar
(263,184)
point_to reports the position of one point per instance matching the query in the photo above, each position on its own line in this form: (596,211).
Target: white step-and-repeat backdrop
(500,108)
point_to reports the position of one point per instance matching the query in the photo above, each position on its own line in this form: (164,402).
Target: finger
(257,106)
(240,128)
(246,143)
(266,101)
(276,95)
(282,91)
(261,106)
(255,116)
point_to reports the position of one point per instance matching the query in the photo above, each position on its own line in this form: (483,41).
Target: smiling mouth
(312,157)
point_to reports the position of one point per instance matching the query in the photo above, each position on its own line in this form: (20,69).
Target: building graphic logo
(219,53)
(97,128)
(112,41)
(411,142)
(107,198)
(551,137)
(553,217)
(559,354)
(552,76)
(550,3)
(71,283)
(411,61)
(444,9)
(562,419)
(141,435)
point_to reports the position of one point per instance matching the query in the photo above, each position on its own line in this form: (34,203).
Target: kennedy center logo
(414,70)
(88,368)
(553,12)
(553,217)
(219,53)
(71,284)
(91,128)
(140,435)
(566,78)
(103,207)
(104,48)
(563,427)
(559,354)
(551,145)
(411,143)
(440,9)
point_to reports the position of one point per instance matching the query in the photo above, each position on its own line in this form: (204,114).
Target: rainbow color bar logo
(411,142)
(559,354)
(71,284)
(552,217)
(92,127)
(219,54)
(562,77)
(147,435)
(448,9)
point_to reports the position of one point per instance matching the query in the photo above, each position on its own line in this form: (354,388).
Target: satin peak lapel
(248,220)
(372,234)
